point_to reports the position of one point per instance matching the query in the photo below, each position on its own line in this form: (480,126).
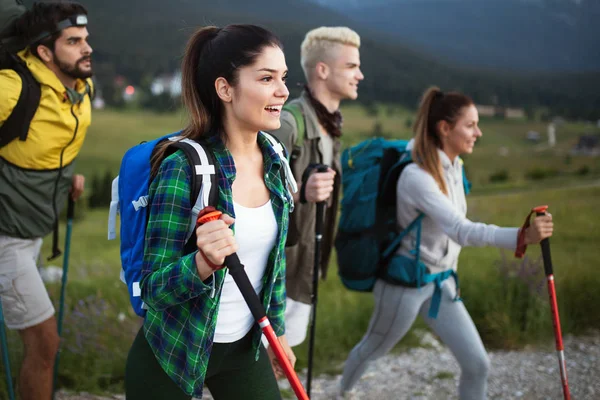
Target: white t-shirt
(255,233)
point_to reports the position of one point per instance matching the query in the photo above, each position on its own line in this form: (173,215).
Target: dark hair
(435,106)
(44,17)
(213,53)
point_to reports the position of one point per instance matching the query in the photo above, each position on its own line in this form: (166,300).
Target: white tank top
(255,233)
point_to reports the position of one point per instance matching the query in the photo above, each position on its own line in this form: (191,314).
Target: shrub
(499,176)
(537,174)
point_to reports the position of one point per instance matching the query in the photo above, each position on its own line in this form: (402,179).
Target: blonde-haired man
(311,130)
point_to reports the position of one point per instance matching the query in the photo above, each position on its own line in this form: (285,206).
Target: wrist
(521,243)
(204,270)
(526,239)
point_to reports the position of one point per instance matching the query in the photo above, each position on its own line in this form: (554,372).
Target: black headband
(75,20)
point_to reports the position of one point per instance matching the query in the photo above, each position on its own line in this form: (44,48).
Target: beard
(74,71)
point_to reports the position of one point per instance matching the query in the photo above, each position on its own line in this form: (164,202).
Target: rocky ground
(432,373)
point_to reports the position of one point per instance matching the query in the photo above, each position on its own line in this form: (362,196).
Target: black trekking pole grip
(320,209)
(70,208)
(320,206)
(236,270)
(545,245)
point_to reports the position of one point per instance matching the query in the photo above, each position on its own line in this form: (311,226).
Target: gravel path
(432,373)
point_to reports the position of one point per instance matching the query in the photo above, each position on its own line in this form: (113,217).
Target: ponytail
(199,117)
(425,151)
(435,106)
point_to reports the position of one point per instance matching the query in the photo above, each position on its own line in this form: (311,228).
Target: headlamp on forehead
(74,20)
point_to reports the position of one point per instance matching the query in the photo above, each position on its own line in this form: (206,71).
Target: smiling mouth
(274,109)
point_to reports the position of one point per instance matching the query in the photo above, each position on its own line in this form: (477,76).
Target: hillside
(139,39)
(520,35)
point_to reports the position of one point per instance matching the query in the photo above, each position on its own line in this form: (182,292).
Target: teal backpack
(367,236)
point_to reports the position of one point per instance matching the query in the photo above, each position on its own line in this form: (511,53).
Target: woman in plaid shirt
(198,330)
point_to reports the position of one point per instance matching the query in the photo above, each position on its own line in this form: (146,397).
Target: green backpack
(296,111)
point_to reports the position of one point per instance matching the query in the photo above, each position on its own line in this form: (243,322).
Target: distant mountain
(140,39)
(518,35)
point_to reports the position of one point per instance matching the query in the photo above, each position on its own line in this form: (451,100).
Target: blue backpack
(367,236)
(130,199)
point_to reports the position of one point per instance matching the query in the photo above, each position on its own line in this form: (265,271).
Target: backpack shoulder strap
(298,114)
(392,164)
(17,124)
(466,183)
(287,176)
(204,179)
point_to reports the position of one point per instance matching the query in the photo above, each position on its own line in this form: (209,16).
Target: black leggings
(232,373)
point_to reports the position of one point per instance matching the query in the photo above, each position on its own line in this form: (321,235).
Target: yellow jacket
(56,125)
(36,174)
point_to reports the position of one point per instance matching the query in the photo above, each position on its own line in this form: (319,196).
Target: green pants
(232,373)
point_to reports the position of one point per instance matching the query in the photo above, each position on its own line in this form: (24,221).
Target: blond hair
(318,43)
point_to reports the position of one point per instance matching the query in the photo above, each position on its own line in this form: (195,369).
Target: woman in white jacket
(446,127)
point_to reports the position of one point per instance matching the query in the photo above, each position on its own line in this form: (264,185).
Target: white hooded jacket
(445,228)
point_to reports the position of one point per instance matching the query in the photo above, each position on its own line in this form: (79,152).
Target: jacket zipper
(60,167)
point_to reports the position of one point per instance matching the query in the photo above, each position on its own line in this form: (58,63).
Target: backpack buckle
(140,203)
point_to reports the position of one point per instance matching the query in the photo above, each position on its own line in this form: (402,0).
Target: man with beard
(37,175)
(311,130)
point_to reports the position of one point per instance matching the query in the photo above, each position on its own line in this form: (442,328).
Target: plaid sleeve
(277,309)
(277,302)
(168,278)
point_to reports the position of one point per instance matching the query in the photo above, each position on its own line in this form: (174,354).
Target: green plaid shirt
(182,309)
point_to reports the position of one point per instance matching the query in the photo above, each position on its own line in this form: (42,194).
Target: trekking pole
(315,285)
(545,244)
(236,270)
(5,358)
(61,309)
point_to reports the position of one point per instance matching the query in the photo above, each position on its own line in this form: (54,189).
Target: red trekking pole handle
(545,244)
(236,270)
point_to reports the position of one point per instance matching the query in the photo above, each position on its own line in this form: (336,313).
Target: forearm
(173,283)
(419,189)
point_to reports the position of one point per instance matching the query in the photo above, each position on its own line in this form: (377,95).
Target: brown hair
(435,106)
(211,53)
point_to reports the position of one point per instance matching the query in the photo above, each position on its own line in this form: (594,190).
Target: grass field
(503,146)
(507,299)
